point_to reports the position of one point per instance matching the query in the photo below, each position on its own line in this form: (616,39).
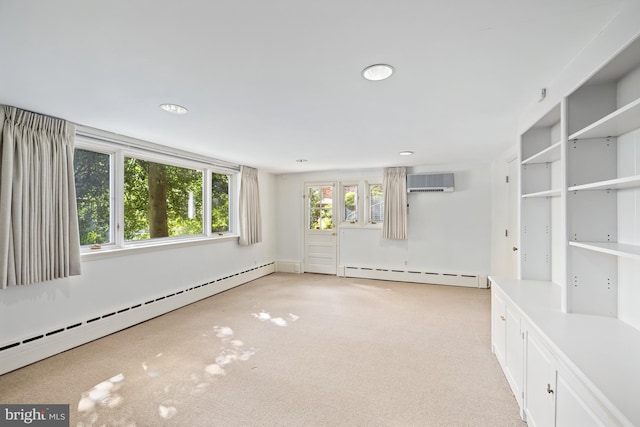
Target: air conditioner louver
(430,183)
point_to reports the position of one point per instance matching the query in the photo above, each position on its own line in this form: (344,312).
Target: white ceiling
(269,82)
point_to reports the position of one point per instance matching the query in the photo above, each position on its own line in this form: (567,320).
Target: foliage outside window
(92,171)
(376,203)
(161,200)
(320,207)
(350,199)
(219,203)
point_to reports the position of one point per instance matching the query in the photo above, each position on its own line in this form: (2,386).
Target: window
(161,200)
(92,171)
(350,201)
(219,203)
(376,204)
(127,197)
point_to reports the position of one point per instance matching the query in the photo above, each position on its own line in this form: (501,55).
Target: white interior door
(512,218)
(320,234)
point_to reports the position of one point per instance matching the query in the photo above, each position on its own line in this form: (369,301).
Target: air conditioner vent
(426,190)
(430,183)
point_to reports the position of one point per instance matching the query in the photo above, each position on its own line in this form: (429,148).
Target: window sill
(346,225)
(113,251)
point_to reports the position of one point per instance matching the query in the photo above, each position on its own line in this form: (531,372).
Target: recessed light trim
(377,72)
(406,153)
(174,108)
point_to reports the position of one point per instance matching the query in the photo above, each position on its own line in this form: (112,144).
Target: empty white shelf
(612,184)
(548,155)
(547,193)
(618,249)
(618,123)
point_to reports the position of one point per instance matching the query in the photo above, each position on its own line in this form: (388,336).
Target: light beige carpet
(289,350)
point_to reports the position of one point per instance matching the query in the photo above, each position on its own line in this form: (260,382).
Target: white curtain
(394,184)
(250,219)
(39,237)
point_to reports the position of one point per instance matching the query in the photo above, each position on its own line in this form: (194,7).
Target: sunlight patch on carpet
(264,316)
(215,369)
(104,403)
(167,412)
(223,331)
(102,394)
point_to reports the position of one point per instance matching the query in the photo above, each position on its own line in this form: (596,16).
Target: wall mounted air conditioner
(432,182)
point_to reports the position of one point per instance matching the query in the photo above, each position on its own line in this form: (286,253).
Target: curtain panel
(394,184)
(249,209)
(39,238)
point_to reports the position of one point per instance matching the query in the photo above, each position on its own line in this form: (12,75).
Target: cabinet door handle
(549,390)
(502,317)
(514,249)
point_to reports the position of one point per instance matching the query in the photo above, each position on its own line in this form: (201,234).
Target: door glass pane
(350,199)
(320,207)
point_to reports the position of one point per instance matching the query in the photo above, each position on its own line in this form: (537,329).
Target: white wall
(613,38)
(448,232)
(110,284)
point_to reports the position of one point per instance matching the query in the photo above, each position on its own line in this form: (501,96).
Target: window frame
(119,151)
(104,149)
(233,198)
(368,185)
(363,203)
(358,185)
(164,160)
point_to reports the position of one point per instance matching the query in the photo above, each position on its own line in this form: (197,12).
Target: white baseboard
(414,276)
(32,349)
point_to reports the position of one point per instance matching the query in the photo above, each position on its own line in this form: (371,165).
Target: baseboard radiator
(415,276)
(14,355)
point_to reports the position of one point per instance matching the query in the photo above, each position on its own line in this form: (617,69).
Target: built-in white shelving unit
(541,148)
(567,331)
(603,180)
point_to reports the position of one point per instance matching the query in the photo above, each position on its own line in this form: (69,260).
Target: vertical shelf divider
(564,131)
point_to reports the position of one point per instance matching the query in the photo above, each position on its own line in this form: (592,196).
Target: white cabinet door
(571,409)
(508,345)
(498,327)
(514,355)
(540,384)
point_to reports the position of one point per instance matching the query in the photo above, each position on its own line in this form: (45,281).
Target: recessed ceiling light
(406,153)
(377,72)
(174,109)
